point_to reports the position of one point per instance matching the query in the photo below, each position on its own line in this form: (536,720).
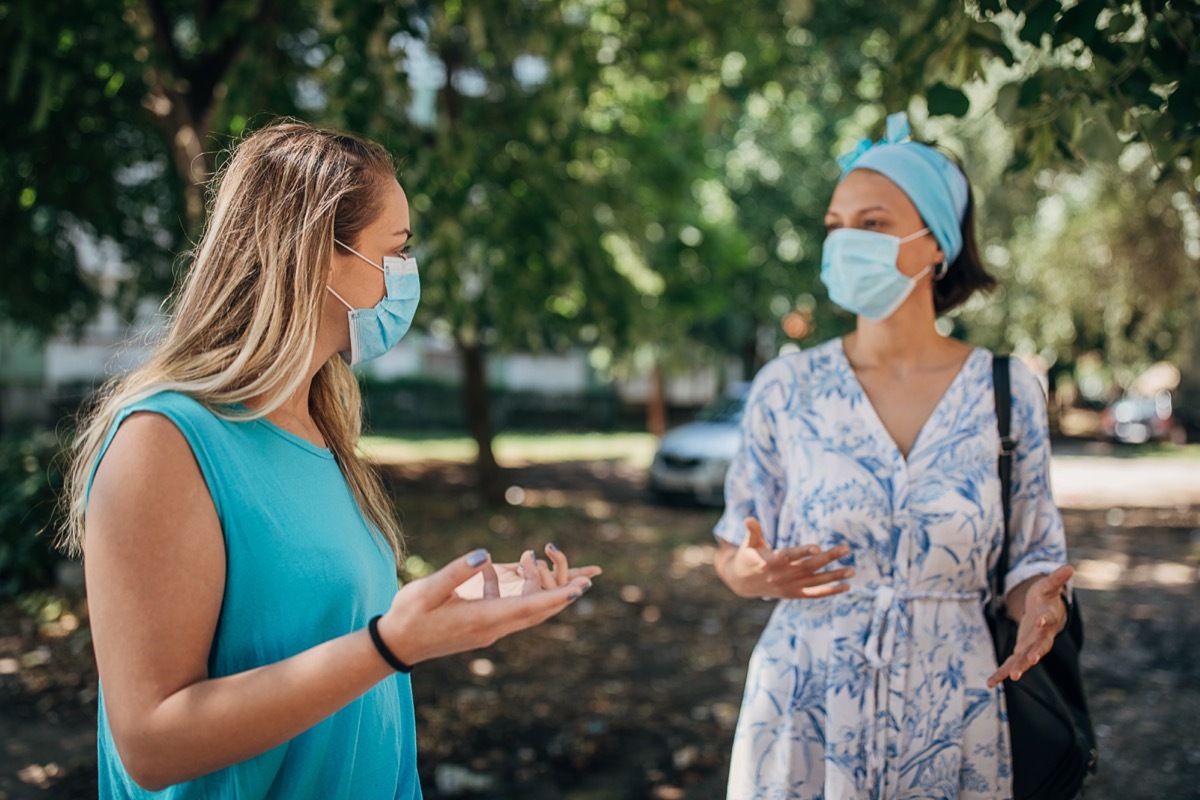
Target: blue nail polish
(573,596)
(477,558)
(586,587)
(551,547)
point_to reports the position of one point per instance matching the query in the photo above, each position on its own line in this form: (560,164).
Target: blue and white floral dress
(881,692)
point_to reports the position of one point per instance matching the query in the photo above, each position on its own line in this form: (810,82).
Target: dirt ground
(634,691)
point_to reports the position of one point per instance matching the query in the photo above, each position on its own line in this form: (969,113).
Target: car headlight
(718,466)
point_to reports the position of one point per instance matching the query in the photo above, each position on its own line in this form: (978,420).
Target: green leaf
(1184,103)
(1138,87)
(1168,55)
(1119,24)
(986,36)
(945,99)
(1039,21)
(1079,22)
(1098,140)
(1007,102)
(1031,91)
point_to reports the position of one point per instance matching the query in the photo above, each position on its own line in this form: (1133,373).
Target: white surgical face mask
(859,269)
(375,330)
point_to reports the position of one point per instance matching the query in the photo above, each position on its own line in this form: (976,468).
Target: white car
(692,459)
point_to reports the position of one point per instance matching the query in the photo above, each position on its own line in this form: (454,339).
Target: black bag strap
(1002,385)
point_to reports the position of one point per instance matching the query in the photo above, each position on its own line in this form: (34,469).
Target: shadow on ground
(634,691)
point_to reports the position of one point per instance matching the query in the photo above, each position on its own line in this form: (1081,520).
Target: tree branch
(214,66)
(206,12)
(160,21)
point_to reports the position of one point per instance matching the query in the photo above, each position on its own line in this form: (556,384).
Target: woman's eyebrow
(403,232)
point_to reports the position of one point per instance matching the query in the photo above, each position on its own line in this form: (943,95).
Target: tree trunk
(489,476)
(183,93)
(656,404)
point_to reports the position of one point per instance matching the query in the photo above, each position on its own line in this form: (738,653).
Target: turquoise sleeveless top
(302,567)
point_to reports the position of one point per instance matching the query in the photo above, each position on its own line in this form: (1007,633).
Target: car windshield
(727,409)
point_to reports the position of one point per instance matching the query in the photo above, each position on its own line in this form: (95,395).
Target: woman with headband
(240,555)
(865,499)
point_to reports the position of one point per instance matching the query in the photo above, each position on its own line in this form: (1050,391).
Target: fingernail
(1016,676)
(552,548)
(477,558)
(585,588)
(573,596)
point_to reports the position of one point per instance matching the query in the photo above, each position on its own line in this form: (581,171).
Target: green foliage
(78,161)
(1124,237)
(28,497)
(945,99)
(415,404)
(1089,77)
(582,173)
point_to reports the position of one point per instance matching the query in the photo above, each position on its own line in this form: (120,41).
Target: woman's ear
(938,255)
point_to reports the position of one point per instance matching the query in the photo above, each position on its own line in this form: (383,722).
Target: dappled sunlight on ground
(1102,573)
(634,691)
(517,450)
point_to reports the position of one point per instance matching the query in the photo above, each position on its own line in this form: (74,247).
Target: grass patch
(514,448)
(1189,452)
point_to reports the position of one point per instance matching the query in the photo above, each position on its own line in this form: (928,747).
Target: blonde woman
(240,556)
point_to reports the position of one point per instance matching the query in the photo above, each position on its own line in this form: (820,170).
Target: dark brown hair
(967,274)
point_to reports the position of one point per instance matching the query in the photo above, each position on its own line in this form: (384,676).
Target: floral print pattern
(881,692)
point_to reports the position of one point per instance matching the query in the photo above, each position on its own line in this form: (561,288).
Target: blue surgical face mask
(374,331)
(859,269)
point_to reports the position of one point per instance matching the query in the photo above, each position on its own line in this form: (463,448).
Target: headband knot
(934,183)
(897,131)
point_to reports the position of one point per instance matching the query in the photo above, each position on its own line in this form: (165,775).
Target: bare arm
(154,559)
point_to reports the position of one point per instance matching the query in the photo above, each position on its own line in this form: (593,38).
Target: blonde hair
(244,322)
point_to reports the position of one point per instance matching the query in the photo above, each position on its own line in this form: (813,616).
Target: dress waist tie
(879,651)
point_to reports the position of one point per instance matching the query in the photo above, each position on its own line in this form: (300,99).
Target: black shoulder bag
(1053,744)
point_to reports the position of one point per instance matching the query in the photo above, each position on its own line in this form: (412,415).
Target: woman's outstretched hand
(753,569)
(429,619)
(527,576)
(1043,615)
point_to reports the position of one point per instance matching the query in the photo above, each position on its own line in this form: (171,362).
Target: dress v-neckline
(873,413)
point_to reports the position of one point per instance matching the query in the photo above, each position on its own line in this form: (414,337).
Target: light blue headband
(934,183)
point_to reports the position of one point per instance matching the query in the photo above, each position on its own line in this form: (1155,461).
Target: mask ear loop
(342,299)
(941,270)
(360,255)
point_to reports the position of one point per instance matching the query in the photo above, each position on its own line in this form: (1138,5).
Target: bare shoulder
(147,456)
(148,483)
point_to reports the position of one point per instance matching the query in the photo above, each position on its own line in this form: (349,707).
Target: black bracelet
(388,655)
